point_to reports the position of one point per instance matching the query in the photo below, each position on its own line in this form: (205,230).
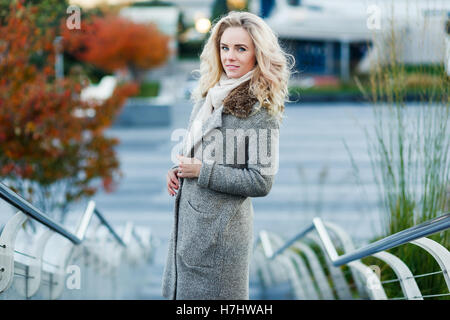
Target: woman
(241,94)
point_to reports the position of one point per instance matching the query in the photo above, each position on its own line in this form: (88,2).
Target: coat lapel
(194,112)
(240,103)
(215,121)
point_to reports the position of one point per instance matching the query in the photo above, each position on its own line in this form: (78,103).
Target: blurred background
(92,91)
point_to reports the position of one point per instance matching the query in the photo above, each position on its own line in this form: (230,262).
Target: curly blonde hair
(269,83)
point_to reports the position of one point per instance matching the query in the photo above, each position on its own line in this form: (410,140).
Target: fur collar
(239,101)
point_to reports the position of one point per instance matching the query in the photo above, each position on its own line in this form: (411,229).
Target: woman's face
(237,52)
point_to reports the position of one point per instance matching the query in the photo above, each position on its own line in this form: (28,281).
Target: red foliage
(112,43)
(43,139)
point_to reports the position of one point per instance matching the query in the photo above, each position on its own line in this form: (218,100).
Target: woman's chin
(231,74)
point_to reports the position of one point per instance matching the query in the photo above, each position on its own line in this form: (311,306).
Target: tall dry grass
(408,145)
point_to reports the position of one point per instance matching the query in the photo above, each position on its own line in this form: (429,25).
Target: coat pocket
(199,236)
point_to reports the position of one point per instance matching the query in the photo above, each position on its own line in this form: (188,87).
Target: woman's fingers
(186,160)
(171,190)
(189,170)
(173,178)
(172,185)
(188,167)
(187,173)
(172,182)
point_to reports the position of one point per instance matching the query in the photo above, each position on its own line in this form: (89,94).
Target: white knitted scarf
(214,100)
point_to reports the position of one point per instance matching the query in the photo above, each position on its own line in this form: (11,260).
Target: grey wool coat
(211,242)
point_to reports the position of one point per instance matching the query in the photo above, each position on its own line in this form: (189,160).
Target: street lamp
(236,4)
(202,25)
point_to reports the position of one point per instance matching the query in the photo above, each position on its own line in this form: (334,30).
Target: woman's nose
(231,55)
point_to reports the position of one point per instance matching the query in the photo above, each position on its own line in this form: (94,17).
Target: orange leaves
(29,127)
(6,169)
(112,43)
(42,140)
(48,71)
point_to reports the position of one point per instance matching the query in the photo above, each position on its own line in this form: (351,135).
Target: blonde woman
(229,156)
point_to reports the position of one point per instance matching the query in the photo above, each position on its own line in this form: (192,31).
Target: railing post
(60,276)
(348,246)
(439,253)
(34,273)
(316,268)
(132,255)
(103,254)
(7,243)
(265,242)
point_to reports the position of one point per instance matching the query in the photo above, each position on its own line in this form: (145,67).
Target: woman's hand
(189,167)
(172,181)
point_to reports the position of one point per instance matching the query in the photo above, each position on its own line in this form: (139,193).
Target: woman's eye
(243,49)
(224,48)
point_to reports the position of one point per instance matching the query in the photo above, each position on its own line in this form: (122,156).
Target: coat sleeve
(255,180)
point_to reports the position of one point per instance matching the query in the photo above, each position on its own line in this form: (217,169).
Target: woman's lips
(231,67)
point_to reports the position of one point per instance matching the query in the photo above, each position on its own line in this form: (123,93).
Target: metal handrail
(138,238)
(84,223)
(108,226)
(422,230)
(23,205)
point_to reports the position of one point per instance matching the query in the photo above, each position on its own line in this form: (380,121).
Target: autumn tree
(53,150)
(48,14)
(113,42)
